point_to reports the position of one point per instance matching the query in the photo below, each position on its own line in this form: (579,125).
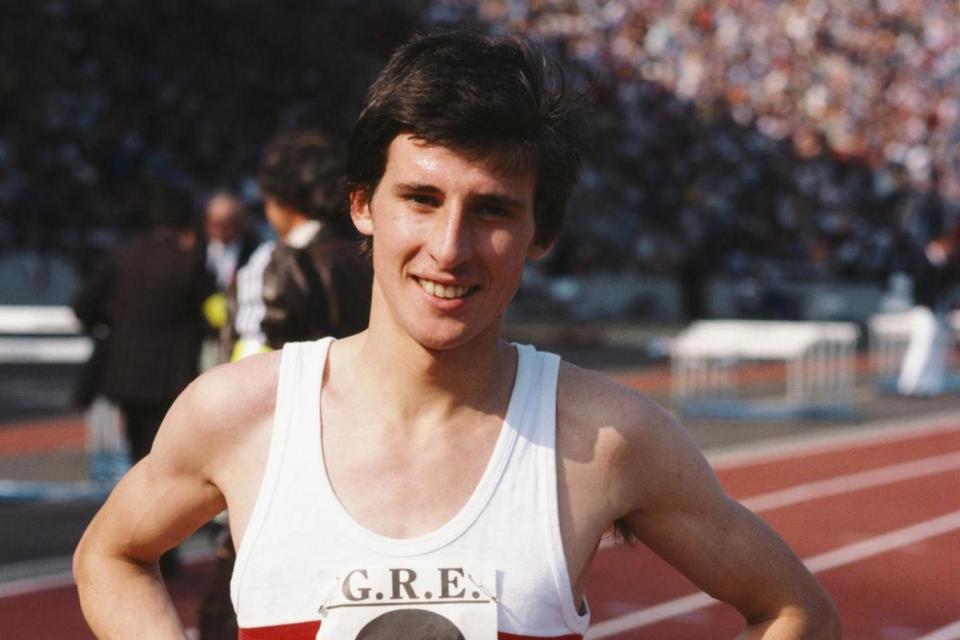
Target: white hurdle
(50,335)
(32,334)
(818,357)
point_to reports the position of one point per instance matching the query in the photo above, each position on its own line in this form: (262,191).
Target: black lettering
(361,594)
(406,584)
(447,581)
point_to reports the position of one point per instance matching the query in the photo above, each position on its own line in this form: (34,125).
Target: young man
(424,478)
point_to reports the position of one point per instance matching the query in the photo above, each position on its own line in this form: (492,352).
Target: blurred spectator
(935,272)
(245,307)
(230,243)
(316,283)
(148,293)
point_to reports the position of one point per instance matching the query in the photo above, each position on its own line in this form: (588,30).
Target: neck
(415,383)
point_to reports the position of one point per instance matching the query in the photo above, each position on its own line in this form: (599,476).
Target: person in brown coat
(148,293)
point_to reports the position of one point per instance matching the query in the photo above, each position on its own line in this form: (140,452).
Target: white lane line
(844,484)
(58,577)
(25,586)
(822,562)
(853,437)
(949,632)
(881,544)
(853,482)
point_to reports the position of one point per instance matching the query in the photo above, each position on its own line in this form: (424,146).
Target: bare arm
(157,505)
(720,545)
(657,483)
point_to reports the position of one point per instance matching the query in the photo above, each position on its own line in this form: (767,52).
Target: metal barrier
(712,357)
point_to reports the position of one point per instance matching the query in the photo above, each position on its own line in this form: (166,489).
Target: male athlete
(425,478)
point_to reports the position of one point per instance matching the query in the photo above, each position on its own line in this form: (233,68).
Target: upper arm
(164,497)
(210,431)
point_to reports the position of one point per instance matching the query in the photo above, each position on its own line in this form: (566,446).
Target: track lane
(760,477)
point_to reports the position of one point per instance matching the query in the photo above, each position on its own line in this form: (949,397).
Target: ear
(360,211)
(536,250)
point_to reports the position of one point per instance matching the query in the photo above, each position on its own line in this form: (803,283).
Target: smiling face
(450,235)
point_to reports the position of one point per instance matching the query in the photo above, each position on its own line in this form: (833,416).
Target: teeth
(450,292)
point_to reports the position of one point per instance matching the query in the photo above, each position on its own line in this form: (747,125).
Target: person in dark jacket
(148,293)
(317,283)
(934,270)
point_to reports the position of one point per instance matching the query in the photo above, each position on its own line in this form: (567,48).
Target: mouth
(445,292)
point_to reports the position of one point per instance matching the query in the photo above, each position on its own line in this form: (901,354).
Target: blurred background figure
(316,284)
(230,243)
(148,294)
(935,272)
(242,335)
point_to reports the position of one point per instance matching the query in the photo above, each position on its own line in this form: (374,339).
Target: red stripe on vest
(298,631)
(308,631)
(509,636)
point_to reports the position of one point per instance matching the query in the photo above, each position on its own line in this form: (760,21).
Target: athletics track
(873,510)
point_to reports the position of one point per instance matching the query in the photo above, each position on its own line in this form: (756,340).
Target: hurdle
(50,335)
(770,370)
(889,336)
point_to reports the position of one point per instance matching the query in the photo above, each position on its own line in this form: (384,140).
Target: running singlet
(496,571)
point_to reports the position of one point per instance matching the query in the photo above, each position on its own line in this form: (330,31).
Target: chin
(442,339)
(441,343)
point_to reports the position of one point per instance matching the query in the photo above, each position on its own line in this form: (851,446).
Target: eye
(491,210)
(422,199)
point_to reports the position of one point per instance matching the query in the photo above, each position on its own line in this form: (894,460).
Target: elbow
(825,621)
(820,619)
(81,563)
(814,618)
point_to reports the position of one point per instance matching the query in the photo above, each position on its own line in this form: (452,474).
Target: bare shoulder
(622,437)
(594,410)
(224,408)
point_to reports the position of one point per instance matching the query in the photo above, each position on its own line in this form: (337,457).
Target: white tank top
(306,569)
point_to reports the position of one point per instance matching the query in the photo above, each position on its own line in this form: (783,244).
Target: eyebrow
(499,200)
(408,187)
(496,199)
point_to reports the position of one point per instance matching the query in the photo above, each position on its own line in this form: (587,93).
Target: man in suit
(148,292)
(229,242)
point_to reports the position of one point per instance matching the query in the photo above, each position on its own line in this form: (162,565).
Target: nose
(450,243)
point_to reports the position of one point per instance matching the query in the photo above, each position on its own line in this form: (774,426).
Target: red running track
(876,515)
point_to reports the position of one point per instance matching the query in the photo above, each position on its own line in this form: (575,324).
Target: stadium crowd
(101,98)
(803,137)
(798,138)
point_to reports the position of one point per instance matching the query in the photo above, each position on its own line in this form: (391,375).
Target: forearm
(122,599)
